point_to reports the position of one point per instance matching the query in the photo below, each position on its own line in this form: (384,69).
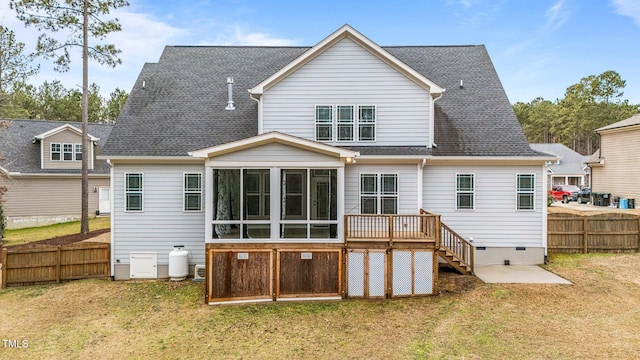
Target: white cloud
(557,15)
(630,8)
(238,35)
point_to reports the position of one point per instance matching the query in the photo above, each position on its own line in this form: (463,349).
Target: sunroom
(274,188)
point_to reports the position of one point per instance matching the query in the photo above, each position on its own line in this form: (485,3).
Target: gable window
(324,123)
(525,192)
(192,192)
(366,123)
(78,152)
(56,152)
(465,191)
(67,152)
(345,123)
(133,191)
(379,193)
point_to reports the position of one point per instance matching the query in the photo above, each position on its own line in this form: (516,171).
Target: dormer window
(346,123)
(66,152)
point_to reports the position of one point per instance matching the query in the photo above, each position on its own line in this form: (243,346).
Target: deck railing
(392,228)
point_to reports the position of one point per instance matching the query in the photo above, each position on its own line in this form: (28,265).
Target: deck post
(346,227)
(391,230)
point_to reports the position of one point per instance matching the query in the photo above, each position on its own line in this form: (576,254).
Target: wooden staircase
(456,251)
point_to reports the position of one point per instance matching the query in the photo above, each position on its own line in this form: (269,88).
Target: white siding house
(341,154)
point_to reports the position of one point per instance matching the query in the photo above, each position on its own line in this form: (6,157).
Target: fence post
(3,281)
(585,236)
(58,263)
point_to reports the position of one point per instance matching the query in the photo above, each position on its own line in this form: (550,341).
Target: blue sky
(539,47)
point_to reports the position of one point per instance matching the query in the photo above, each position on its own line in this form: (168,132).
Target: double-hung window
(192,192)
(133,191)
(67,152)
(345,123)
(56,152)
(78,152)
(324,123)
(465,191)
(366,123)
(525,192)
(379,193)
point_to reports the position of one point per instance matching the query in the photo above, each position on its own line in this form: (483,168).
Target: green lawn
(597,317)
(21,236)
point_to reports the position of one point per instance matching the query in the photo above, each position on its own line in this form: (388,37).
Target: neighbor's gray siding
(163,223)
(347,74)
(621,171)
(274,152)
(63,137)
(407,186)
(495,222)
(39,196)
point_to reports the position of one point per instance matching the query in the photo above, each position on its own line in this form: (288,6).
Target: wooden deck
(392,229)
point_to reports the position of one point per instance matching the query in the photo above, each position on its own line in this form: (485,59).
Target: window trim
(461,192)
(379,193)
(51,151)
(127,191)
(186,191)
(360,122)
(349,123)
(325,123)
(531,191)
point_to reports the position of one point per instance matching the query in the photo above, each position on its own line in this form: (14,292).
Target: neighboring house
(317,177)
(615,167)
(43,161)
(569,169)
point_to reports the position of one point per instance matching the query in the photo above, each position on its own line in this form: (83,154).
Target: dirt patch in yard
(64,240)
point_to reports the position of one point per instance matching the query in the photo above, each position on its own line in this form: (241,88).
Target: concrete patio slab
(517,274)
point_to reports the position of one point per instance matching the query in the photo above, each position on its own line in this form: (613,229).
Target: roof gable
(273,137)
(626,123)
(347,31)
(65,127)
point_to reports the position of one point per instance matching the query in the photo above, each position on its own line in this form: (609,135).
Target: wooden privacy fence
(610,232)
(81,260)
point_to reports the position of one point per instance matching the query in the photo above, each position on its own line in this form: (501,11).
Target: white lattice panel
(355,274)
(423,272)
(402,274)
(376,274)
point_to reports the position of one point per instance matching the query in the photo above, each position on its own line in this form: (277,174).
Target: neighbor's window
(379,193)
(133,191)
(56,152)
(67,152)
(345,123)
(366,123)
(193,192)
(525,192)
(324,123)
(78,152)
(465,191)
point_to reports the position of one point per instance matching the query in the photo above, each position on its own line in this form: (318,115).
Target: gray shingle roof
(22,155)
(634,120)
(181,108)
(571,162)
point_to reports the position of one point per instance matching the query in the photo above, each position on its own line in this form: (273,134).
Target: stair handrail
(457,245)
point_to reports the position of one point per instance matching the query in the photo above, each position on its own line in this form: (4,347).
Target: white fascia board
(486,160)
(54,175)
(63,128)
(150,159)
(270,137)
(344,32)
(603,131)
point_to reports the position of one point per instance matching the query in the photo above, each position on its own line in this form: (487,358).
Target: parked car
(565,193)
(584,196)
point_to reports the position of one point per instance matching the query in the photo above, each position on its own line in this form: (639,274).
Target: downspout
(421,184)
(432,122)
(112,220)
(257,99)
